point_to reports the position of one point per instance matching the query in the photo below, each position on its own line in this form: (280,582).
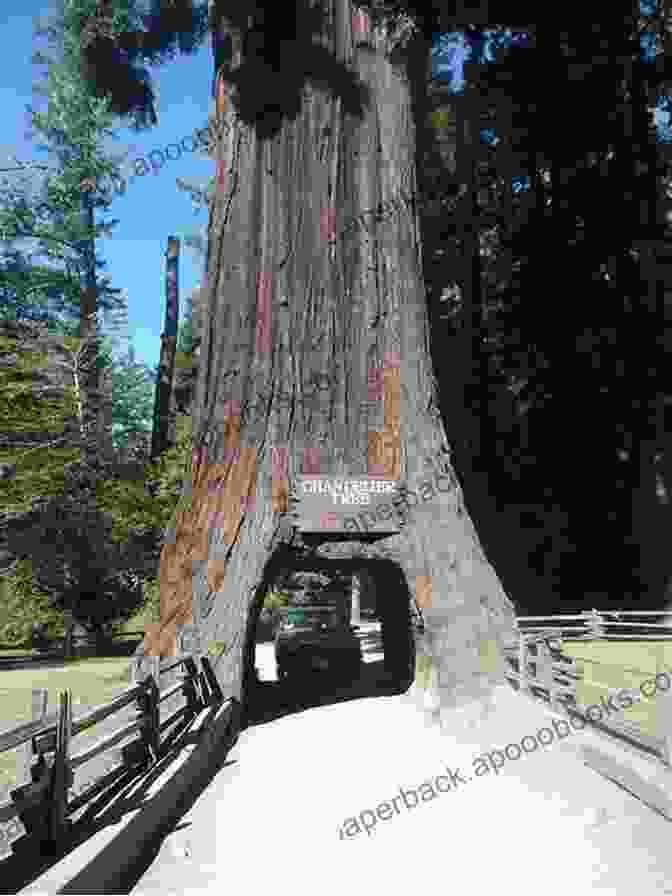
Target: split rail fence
(542,670)
(537,664)
(44,805)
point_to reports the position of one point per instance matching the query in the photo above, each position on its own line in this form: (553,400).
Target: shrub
(22,605)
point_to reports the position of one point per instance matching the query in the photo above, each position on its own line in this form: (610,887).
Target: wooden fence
(541,670)
(44,805)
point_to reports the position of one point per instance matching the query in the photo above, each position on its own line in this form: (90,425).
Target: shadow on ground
(270,700)
(128,793)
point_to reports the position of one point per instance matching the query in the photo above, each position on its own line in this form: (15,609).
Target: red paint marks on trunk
(311,461)
(247,504)
(217,520)
(220,174)
(264,313)
(231,455)
(328,224)
(392,359)
(376,470)
(280,462)
(375,384)
(328,520)
(361,24)
(215,486)
(232,408)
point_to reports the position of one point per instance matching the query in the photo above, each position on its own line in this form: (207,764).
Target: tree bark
(293,298)
(163,432)
(87,384)
(355,607)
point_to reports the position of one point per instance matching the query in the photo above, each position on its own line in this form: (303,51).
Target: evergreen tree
(132,398)
(60,225)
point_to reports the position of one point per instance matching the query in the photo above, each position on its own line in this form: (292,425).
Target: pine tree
(132,398)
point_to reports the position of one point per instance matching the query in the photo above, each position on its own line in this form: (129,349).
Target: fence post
(211,678)
(522,665)
(24,760)
(62,775)
(191,686)
(153,705)
(594,624)
(663,706)
(149,709)
(545,671)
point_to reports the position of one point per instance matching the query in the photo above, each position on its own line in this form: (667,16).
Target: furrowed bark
(315,358)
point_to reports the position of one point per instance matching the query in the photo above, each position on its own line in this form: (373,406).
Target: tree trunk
(355,608)
(291,298)
(163,433)
(87,382)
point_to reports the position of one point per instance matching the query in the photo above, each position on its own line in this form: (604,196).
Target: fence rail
(537,664)
(541,669)
(43,805)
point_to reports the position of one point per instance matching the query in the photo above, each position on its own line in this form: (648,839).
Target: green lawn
(92,682)
(612,665)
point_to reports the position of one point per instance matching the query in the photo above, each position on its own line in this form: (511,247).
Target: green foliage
(121,40)
(132,399)
(21,604)
(151,606)
(53,211)
(183,360)
(75,562)
(39,471)
(440,119)
(276,599)
(185,333)
(131,504)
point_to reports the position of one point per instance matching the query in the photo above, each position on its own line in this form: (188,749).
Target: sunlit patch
(280,480)
(423,669)
(216,574)
(423,592)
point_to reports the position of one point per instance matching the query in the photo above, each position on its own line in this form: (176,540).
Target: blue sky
(152,207)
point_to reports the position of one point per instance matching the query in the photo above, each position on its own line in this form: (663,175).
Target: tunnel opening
(325,630)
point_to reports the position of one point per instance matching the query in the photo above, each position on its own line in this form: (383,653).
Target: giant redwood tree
(315,353)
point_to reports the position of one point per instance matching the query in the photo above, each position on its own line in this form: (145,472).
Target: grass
(92,682)
(612,665)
